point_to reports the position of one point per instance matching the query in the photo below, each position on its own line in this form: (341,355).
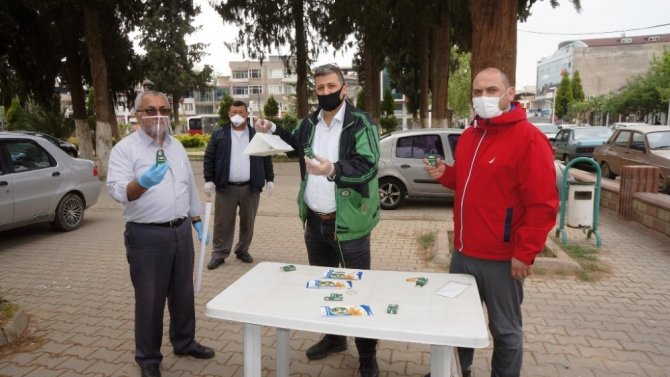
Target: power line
(598,32)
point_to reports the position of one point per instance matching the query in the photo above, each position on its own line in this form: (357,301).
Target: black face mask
(331,101)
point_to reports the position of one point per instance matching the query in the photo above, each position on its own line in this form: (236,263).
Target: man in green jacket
(338,200)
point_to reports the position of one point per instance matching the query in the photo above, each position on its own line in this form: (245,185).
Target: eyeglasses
(152,111)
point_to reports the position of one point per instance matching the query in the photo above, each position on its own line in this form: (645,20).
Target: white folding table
(268,296)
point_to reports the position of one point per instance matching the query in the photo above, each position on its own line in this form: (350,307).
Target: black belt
(324,216)
(170,224)
(238,183)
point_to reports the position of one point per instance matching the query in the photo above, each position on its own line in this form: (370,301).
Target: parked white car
(39,182)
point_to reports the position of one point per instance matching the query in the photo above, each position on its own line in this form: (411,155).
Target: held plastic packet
(346,311)
(342,275)
(329,284)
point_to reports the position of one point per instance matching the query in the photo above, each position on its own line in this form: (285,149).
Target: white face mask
(488,107)
(237,119)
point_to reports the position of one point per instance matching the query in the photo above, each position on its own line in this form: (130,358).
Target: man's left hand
(520,270)
(323,167)
(199,230)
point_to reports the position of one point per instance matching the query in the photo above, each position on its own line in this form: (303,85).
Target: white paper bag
(266,145)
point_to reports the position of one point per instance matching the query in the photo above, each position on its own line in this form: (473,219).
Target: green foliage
(563,96)
(460,84)
(13,112)
(360,100)
(289,122)
(388,104)
(577,90)
(90,102)
(40,119)
(388,123)
(193,141)
(271,108)
(223,110)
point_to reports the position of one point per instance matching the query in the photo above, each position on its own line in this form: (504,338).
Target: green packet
(342,275)
(346,311)
(342,284)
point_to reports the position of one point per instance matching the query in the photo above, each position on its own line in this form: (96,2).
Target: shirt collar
(147,140)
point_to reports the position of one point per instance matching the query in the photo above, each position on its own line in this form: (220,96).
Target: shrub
(193,141)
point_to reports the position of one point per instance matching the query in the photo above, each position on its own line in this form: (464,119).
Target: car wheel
(606,171)
(69,213)
(391,193)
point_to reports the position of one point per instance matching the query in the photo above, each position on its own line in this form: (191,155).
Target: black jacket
(217,161)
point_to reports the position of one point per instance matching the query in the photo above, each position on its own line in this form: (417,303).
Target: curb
(13,330)
(562,262)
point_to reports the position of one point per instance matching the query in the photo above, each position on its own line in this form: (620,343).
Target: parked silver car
(401,170)
(574,142)
(39,182)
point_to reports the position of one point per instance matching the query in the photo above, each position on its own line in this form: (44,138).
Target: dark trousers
(502,296)
(324,250)
(225,212)
(161,266)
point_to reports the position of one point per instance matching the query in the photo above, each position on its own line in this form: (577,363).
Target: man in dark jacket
(338,200)
(506,202)
(238,180)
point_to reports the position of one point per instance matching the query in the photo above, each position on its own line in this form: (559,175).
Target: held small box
(160,157)
(308,152)
(420,282)
(432,159)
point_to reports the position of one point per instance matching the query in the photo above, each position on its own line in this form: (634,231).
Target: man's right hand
(209,188)
(263,126)
(153,176)
(435,171)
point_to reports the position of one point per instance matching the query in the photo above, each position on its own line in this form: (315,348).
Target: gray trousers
(225,212)
(502,296)
(161,267)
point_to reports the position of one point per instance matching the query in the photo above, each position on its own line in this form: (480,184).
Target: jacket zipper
(467,182)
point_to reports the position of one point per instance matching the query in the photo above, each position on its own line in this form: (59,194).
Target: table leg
(443,359)
(252,350)
(282,353)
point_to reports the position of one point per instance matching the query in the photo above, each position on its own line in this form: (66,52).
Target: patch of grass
(7,311)
(587,257)
(427,242)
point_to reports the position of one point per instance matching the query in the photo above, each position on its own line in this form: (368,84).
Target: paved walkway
(77,290)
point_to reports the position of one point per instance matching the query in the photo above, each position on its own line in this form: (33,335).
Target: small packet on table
(341,284)
(345,311)
(342,275)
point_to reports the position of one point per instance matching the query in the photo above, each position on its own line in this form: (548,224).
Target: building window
(276,89)
(241,74)
(255,73)
(276,73)
(255,89)
(289,89)
(188,107)
(654,38)
(626,40)
(240,90)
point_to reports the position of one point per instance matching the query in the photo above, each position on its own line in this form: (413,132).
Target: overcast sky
(597,16)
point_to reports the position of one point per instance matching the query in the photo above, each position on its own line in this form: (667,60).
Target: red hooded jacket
(505,182)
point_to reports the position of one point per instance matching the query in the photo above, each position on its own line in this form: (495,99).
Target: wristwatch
(196,220)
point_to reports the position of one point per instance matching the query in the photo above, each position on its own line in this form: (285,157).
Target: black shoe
(245,257)
(151,370)
(369,367)
(324,348)
(199,352)
(215,262)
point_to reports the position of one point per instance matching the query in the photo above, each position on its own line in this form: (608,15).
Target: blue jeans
(323,249)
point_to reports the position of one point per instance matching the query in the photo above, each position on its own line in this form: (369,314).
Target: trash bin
(579,209)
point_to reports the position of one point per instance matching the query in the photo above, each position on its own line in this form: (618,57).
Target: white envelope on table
(266,145)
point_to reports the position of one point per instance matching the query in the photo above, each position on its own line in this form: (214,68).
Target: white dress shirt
(176,196)
(240,164)
(319,191)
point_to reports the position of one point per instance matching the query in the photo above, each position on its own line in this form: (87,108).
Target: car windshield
(592,133)
(548,128)
(659,140)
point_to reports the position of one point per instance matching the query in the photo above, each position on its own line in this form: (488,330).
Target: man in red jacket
(506,204)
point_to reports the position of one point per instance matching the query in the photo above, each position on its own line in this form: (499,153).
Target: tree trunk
(494,36)
(372,85)
(176,126)
(424,72)
(103,129)
(302,105)
(441,55)
(113,123)
(74,78)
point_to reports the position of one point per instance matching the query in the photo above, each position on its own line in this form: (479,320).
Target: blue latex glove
(198,229)
(153,176)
